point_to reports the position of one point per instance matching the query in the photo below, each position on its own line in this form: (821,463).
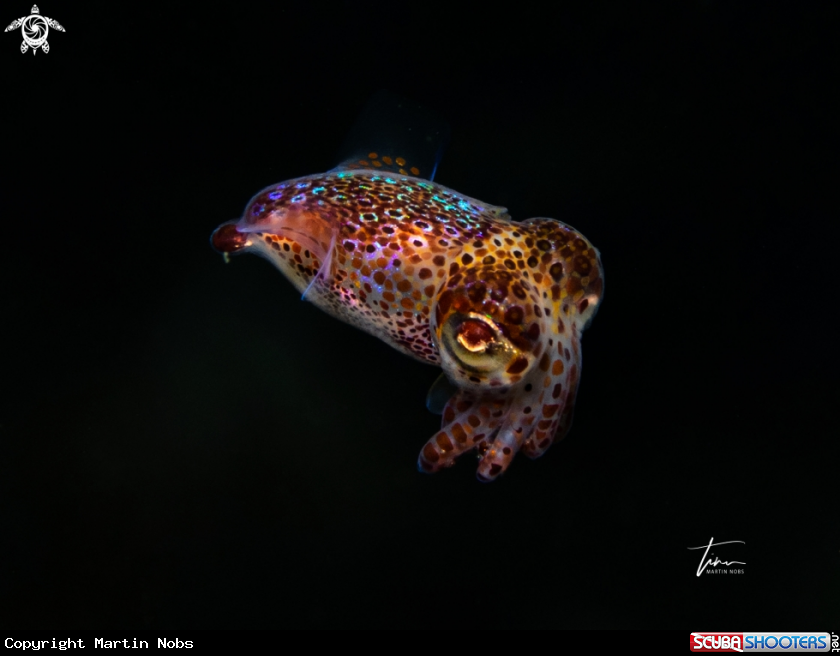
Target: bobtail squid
(448,280)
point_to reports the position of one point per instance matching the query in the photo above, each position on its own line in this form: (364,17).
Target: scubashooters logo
(34,29)
(764,642)
(713,565)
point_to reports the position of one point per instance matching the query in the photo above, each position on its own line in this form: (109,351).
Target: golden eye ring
(475,343)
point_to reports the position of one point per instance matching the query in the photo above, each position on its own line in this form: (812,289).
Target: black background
(185,444)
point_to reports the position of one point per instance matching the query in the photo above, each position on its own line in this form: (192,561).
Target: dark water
(185,444)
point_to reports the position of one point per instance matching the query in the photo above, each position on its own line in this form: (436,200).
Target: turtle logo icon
(34,29)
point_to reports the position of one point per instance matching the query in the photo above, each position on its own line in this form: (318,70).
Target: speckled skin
(448,280)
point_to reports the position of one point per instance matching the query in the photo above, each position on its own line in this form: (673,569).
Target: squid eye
(475,336)
(475,343)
